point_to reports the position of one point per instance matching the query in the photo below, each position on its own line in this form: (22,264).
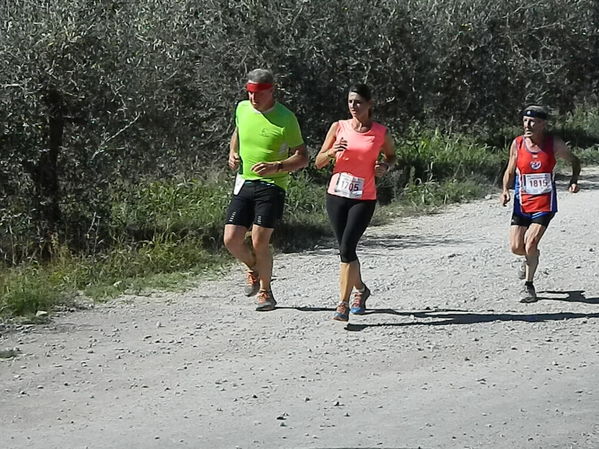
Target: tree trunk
(44,173)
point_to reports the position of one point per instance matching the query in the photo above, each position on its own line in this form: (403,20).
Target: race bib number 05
(537,183)
(349,186)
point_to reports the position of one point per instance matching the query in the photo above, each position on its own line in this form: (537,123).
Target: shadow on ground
(408,241)
(567,296)
(390,241)
(586,181)
(446,317)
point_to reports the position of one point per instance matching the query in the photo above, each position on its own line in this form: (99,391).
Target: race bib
(537,183)
(239,181)
(349,186)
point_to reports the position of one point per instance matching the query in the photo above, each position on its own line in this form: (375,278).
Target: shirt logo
(269,133)
(535,165)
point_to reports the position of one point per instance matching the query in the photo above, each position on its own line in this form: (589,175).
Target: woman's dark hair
(362,90)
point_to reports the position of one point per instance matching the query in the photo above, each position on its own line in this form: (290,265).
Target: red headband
(257,87)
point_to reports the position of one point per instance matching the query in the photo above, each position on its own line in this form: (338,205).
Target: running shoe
(252,283)
(358,306)
(522,267)
(266,301)
(342,312)
(528,294)
(522,270)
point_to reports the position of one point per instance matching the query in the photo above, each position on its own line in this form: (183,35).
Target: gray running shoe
(528,294)
(252,283)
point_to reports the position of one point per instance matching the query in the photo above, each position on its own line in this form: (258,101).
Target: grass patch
(171,265)
(431,155)
(157,264)
(27,290)
(305,220)
(430,196)
(588,156)
(580,128)
(168,210)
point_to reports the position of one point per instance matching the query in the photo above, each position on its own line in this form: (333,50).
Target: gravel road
(446,356)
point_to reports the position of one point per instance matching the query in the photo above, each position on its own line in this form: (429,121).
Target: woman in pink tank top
(355,146)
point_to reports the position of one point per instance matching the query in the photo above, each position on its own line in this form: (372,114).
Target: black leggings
(349,219)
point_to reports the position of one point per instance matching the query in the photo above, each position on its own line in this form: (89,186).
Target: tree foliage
(100,93)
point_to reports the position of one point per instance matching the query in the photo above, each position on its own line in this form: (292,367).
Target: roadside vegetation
(115,117)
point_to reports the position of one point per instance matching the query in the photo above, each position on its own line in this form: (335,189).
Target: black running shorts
(258,202)
(528,219)
(349,219)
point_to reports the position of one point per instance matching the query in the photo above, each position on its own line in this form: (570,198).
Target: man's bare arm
(508,176)
(298,160)
(234,151)
(562,151)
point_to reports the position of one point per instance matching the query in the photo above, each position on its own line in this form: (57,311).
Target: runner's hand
(380,168)
(504,198)
(573,187)
(339,146)
(265,168)
(234,161)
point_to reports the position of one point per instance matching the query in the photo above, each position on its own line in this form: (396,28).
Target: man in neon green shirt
(266,145)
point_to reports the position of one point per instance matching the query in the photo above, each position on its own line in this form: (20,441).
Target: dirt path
(446,357)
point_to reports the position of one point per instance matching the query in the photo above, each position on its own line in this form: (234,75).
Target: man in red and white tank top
(531,170)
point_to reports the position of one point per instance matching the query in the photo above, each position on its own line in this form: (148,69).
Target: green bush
(580,127)
(423,196)
(112,93)
(305,221)
(194,208)
(436,155)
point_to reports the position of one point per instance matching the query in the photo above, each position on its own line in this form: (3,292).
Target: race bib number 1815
(537,183)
